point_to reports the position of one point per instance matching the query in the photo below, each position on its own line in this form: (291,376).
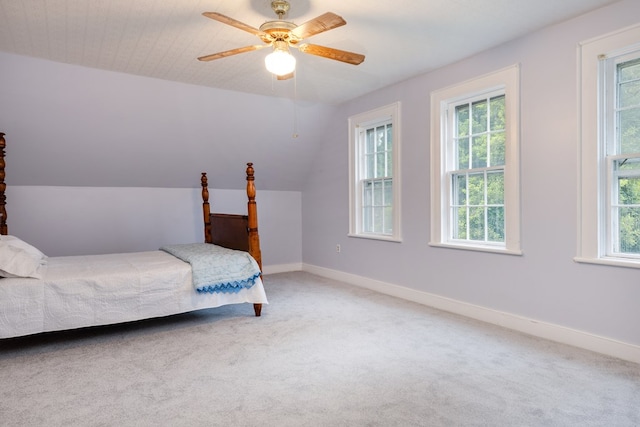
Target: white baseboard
(281,268)
(533,327)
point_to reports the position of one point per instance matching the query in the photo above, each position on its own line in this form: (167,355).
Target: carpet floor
(324,353)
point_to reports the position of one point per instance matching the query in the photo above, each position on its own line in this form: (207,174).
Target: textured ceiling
(163,38)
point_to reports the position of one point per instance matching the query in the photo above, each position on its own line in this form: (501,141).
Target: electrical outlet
(337,248)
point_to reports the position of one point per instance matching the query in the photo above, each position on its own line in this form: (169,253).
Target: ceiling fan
(284,34)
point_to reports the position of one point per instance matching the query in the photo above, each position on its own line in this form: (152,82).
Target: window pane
(495,188)
(476,189)
(388,220)
(460,189)
(497,117)
(627,165)
(369,166)
(367,201)
(629,230)
(495,222)
(380,164)
(479,154)
(367,225)
(389,151)
(377,219)
(380,139)
(388,192)
(462,120)
(629,94)
(463,153)
(377,193)
(460,223)
(629,123)
(479,114)
(629,190)
(476,223)
(369,141)
(497,143)
(629,71)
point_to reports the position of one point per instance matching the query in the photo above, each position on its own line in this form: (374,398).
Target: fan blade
(230,21)
(231,52)
(286,76)
(328,52)
(318,25)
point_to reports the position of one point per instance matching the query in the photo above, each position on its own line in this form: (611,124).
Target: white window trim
(390,112)
(591,56)
(507,79)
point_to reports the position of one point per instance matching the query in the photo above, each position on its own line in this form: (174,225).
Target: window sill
(614,262)
(477,248)
(376,237)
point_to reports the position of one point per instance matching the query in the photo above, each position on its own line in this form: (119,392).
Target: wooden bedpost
(254,237)
(206,209)
(3,188)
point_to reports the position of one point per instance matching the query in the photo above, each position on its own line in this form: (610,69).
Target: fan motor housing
(278,30)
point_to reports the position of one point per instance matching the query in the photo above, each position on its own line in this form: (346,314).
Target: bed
(44,294)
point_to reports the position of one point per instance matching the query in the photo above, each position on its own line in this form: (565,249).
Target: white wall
(545,284)
(93,220)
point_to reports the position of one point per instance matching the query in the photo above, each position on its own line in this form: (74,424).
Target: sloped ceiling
(163,38)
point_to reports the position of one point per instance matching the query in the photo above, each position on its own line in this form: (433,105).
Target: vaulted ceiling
(162,39)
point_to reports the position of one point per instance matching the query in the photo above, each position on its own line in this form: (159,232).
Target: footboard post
(252,213)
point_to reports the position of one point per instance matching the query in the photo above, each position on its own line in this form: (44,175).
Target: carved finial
(205,189)
(250,172)
(251,188)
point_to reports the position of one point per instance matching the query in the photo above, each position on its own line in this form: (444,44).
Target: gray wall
(74,126)
(545,283)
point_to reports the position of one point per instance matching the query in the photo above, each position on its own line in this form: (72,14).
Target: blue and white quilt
(217,269)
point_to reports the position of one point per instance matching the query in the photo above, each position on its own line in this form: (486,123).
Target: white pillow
(21,244)
(20,259)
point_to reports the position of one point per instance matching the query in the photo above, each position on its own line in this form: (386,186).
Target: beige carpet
(323,354)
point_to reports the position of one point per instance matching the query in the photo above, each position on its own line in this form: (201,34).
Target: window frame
(505,81)
(357,123)
(597,60)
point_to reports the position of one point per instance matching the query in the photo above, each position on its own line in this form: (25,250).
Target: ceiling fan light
(280,62)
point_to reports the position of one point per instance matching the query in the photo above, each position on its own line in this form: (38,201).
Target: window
(610,150)
(474,164)
(374,147)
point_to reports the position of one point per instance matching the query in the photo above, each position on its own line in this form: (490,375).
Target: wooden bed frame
(231,231)
(238,232)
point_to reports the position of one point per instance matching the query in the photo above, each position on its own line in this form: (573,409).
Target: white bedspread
(79,291)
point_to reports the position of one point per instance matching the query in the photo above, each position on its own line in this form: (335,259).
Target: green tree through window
(477,206)
(625,203)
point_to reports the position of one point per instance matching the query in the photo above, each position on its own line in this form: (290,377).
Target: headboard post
(252,212)
(3,188)
(206,209)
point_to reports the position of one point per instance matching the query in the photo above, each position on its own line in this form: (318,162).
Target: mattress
(92,290)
